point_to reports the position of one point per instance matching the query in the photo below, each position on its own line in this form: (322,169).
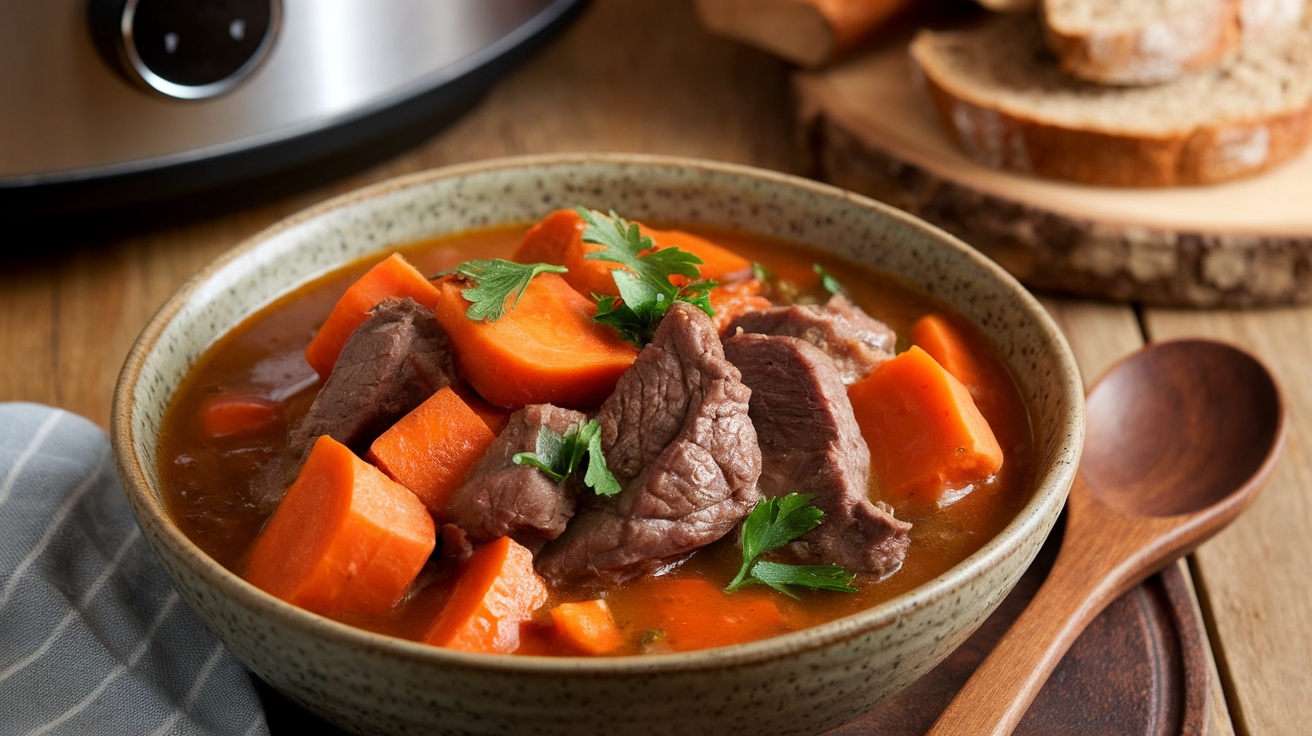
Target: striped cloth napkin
(93,636)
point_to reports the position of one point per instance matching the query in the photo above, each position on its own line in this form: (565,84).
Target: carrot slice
(587,626)
(546,350)
(696,614)
(953,350)
(717,261)
(558,239)
(346,539)
(497,591)
(228,414)
(431,449)
(391,277)
(926,435)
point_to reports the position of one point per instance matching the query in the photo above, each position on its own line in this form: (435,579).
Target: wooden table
(640,75)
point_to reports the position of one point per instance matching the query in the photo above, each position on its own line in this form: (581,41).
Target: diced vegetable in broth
(498,529)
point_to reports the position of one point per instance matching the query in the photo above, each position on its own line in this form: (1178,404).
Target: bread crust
(1165,49)
(1157,51)
(1206,154)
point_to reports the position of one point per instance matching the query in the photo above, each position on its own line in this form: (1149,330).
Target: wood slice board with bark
(865,125)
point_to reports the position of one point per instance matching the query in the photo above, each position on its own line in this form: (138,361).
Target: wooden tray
(866,127)
(1140,668)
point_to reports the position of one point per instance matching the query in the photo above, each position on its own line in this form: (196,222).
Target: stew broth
(222,490)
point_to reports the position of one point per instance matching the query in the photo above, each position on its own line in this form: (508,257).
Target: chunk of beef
(810,443)
(500,498)
(855,341)
(394,360)
(677,436)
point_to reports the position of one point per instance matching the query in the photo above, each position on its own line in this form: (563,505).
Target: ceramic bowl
(797,683)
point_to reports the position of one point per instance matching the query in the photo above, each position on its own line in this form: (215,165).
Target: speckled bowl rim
(1051,487)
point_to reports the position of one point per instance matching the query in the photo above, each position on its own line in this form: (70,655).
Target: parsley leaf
(549,455)
(646,291)
(598,476)
(829,283)
(817,577)
(498,280)
(559,456)
(773,523)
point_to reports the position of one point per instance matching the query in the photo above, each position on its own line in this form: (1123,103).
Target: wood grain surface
(641,75)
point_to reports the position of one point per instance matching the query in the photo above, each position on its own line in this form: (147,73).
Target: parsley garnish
(561,455)
(646,291)
(829,283)
(496,281)
(773,523)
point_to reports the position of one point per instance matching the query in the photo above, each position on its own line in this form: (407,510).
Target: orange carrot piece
(732,300)
(391,277)
(696,614)
(588,626)
(497,591)
(346,539)
(546,350)
(495,417)
(229,413)
(717,261)
(951,348)
(925,433)
(558,239)
(936,336)
(431,449)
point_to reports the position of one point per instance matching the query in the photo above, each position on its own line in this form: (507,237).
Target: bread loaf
(1003,97)
(1152,41)
(808,32)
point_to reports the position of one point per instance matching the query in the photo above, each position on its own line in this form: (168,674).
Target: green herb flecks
(646,291)
(496,282)
(559,456)
(773,523)
(778,289)
(828,282)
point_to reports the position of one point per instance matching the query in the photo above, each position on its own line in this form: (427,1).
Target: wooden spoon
(1180,437)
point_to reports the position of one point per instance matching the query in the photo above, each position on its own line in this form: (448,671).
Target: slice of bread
(1152,41)
(1002,96)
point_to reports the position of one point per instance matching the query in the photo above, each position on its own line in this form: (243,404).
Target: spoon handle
(1087,575)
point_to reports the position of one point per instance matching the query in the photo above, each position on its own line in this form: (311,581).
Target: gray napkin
(93,636)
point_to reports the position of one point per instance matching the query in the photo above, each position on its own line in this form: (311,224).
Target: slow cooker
(107,104)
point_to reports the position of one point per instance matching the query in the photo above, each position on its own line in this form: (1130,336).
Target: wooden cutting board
(865,126)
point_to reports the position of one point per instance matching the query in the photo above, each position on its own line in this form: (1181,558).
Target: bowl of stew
(597,444)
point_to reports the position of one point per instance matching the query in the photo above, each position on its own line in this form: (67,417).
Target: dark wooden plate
(1139,668)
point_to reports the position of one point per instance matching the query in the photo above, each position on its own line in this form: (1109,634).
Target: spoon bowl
(1180,437)
(1153,449)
